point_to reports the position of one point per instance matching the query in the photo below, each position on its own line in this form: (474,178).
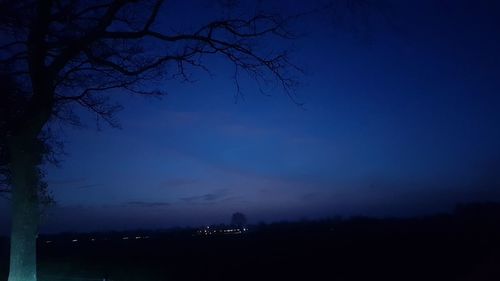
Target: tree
(56,55)
(238,219)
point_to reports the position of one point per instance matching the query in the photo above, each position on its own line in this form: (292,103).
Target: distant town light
(74,240)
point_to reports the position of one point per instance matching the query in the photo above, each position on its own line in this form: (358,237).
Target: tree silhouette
(238,219)
(56,55)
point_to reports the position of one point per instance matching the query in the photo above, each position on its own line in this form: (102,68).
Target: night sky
(401,118)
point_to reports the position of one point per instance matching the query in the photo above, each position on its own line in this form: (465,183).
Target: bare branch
(94,8)
(88,91)
(75,47)
(153,15)
(102,110)
(12,44)
(94,48)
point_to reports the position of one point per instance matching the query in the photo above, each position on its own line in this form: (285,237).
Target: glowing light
(74,240)
(125,238)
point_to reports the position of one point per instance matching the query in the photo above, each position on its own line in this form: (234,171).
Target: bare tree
(238,219)
(61,54)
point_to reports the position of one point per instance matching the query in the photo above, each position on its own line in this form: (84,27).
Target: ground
(437,249)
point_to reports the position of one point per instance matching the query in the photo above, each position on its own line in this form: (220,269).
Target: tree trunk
(25,213)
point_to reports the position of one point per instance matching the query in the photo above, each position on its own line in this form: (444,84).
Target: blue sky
(400,118)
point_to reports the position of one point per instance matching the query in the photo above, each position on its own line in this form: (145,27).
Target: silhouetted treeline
(462,245)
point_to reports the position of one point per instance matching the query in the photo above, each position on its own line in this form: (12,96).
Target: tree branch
(75,47)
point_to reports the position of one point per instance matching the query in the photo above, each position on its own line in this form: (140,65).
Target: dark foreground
(458,247)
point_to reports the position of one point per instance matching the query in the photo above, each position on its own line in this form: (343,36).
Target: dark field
(459,247)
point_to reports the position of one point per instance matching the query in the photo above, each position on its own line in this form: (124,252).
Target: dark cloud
(144,204)
(177,182)
(209,197)
(239,199)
